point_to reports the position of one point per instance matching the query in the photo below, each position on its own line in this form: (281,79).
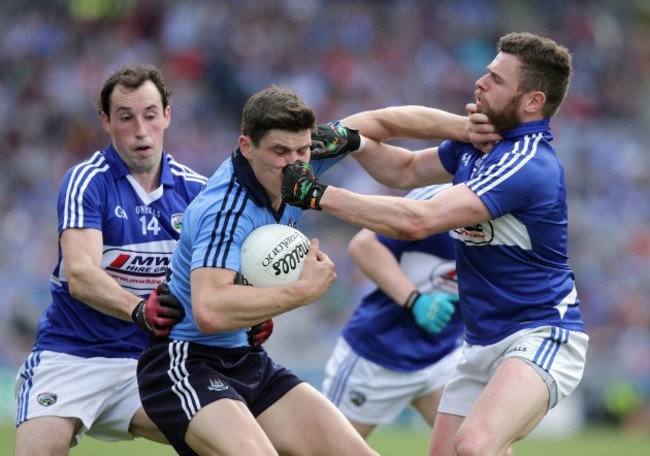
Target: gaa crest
(47,399)
(177,221)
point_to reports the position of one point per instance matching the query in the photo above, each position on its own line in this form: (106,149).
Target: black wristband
(354,140)
(317,191)
(410,301)
(136,310)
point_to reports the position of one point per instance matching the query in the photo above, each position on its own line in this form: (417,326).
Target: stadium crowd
(342,57)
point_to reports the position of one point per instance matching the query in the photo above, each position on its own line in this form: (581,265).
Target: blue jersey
(513,270)
(216,224)
(382,331)
(139,233)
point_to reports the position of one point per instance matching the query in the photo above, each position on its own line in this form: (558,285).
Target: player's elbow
(76,283)
(208,321)
(412,230)
(360,243)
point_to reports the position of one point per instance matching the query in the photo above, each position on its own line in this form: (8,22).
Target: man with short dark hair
(525,345)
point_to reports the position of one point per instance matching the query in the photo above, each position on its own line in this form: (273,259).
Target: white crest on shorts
(217,385)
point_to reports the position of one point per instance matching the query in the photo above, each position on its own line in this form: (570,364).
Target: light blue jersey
(139,233)
(383,332)
(513,270)
(216,224)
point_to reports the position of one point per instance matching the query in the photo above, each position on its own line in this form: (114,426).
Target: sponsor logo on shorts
(47,399)
(357,398)
(217,385)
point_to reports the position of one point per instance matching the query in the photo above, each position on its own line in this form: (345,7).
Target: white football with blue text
(273,255)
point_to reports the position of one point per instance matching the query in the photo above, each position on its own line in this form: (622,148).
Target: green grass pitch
(400,442)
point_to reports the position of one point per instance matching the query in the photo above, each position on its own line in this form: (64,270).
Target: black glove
(158,313)
(301,187)
(333,140)
(259,334)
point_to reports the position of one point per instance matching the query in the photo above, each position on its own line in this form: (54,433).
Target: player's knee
(474,442)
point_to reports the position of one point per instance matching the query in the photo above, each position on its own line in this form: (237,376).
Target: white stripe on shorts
(180,378)
(550,347)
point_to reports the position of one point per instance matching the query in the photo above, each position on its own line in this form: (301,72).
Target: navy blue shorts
(176,379)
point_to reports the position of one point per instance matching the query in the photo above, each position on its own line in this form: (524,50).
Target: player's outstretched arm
(364,135)
(88,282)
(396,217)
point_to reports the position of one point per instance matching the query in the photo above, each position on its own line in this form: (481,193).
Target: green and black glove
(332,140)
(301,187)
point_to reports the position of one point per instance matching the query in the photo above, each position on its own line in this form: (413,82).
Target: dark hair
(545,66)
(132,76)
(275,108)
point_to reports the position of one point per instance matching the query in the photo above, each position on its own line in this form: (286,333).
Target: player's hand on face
(301,187)
(481,132)
(318,271)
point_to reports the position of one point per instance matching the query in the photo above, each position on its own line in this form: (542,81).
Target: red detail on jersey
(451,275)
(120,260)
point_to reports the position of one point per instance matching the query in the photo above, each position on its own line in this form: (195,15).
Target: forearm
(415,122)
(228,307)
(403,218)
(379,264)
(397,167)
(97,289)
(87,281)
(391,216)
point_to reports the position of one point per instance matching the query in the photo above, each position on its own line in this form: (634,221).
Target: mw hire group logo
(137,263)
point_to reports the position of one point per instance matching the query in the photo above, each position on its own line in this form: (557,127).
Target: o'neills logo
(283,258)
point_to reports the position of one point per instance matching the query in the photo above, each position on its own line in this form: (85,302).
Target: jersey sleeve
(218,239)
(520,181)
(80,202)
(322,165)
(447,152)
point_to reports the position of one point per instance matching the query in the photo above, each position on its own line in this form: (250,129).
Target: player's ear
(246,146)
(168,115)
(106,122)
(534,101)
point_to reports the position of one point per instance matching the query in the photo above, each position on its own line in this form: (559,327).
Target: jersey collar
(537,126)
(246,177)
(119,168)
